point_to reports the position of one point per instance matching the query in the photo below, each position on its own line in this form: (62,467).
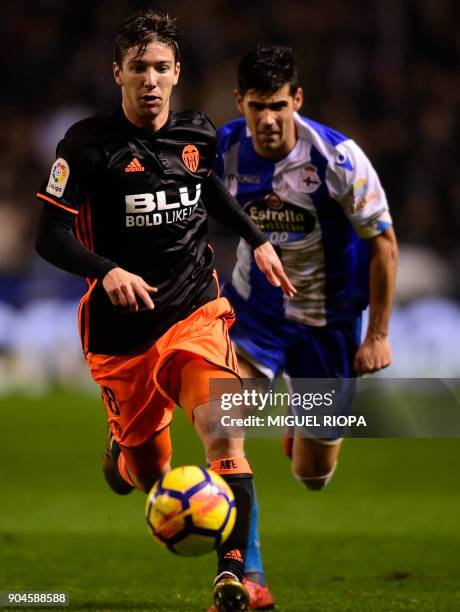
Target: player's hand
(269,263)
(373,355)
(123,288)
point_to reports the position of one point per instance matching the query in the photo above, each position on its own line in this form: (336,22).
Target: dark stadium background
(383,72)
(384,536)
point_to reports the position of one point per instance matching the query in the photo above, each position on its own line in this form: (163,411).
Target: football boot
(110,467)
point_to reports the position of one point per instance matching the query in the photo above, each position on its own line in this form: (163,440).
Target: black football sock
(232,554)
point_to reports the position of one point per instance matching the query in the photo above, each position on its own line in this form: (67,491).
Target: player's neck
(146,123)
(276,154)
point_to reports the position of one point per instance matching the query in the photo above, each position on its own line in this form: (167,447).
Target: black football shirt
(136,197)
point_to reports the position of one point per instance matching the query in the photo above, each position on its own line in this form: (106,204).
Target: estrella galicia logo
(282,222)
(274,201)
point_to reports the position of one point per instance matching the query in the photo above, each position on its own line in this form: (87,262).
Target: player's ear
(298,99)
(117,74)
(239,100)
(176,73)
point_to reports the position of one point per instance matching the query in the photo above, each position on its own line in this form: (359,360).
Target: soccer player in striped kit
(318,199)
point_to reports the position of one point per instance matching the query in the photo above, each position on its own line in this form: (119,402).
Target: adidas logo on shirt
(134,166)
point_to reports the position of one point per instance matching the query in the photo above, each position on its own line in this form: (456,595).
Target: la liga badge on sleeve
(59,176)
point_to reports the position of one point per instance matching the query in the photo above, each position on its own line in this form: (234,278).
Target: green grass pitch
(383,536)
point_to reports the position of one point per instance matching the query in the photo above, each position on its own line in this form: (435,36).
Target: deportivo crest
(59,176)
(312,180)
(191,157)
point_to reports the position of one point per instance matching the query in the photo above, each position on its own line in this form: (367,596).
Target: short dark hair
(267,67)
(142,28)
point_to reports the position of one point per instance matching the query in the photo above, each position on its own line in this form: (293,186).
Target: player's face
(270,118)
(146,83)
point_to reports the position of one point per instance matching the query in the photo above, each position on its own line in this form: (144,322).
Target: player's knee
(314,462)
(315,482)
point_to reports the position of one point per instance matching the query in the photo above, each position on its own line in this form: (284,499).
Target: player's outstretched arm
(123,289)
(269,263)
(375,352)
(225,209)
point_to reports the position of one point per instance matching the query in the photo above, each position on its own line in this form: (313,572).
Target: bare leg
(314,462)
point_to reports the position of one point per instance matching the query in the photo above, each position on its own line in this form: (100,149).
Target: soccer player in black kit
(126,206)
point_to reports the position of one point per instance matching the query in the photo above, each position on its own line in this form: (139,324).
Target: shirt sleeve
(225,209)
(56,243)
(209,151)
(353,182)
(76,162)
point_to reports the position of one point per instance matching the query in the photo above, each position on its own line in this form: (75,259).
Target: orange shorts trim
(140,391)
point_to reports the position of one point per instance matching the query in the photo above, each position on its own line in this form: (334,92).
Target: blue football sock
(254,563)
